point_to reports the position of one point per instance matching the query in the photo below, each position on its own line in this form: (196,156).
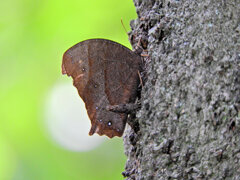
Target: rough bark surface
(190,115)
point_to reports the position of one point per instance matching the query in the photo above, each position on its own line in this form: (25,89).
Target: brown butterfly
(104,73)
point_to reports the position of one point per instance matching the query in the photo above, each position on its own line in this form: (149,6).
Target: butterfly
(104,73)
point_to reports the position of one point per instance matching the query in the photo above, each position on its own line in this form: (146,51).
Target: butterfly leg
(124,108)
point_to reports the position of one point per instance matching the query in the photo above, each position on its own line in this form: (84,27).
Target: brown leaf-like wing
(105,73)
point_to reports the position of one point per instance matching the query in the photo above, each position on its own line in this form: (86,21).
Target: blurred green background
(33,38)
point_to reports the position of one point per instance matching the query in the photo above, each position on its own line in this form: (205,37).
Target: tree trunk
(190,104)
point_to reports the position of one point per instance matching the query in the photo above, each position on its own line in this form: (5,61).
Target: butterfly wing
(104,73)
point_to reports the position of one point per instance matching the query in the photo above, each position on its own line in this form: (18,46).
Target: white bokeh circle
(67,120)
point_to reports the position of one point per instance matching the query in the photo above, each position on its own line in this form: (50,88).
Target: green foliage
(33,37)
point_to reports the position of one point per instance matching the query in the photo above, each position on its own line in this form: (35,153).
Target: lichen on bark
(190,115)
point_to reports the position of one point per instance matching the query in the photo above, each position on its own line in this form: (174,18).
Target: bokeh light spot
(67,120)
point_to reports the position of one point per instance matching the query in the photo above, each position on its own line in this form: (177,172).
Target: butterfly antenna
(124,26)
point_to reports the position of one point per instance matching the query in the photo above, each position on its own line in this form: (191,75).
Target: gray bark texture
(189,121)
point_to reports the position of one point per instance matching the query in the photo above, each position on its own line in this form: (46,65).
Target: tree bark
(189,119)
